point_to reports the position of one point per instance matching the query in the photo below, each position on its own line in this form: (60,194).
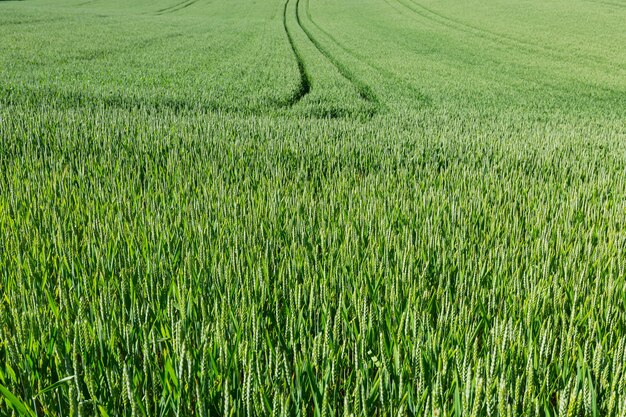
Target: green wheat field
(312,208)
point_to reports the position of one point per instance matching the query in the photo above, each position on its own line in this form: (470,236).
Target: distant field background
(313,208)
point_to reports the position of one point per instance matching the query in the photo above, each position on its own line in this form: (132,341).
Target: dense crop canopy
(312,207)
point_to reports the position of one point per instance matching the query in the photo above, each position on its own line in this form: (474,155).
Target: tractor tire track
(86,3)
(437,18)
(421,97)
(542,84)
(31,21)
(494,37)
(184,6)
(304,86)
(176,7)
(609,3)
(364,90)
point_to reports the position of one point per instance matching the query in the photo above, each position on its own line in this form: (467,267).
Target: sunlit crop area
(312,208)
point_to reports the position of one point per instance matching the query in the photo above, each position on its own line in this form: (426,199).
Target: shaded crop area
(312,208)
